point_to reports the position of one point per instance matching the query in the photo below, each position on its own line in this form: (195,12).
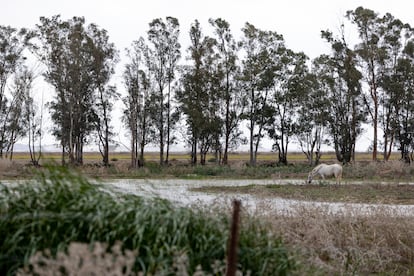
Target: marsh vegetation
(63,213)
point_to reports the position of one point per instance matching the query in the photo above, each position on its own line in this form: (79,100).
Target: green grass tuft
(61,207)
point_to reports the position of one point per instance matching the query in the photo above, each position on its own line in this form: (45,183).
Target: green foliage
(61,207)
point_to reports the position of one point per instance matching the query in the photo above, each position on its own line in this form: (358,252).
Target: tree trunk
(252,159)
(252,152)
(194,151)
(228,123)
(167,154)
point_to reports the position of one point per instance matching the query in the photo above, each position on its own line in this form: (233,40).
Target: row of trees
(222,85)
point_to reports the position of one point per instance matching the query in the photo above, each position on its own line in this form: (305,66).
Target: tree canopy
(222,92)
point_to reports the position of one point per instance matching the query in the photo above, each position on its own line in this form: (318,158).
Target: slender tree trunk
(143,141)
(252,154)
(161,127)
(228,122)
(168,123)
(374,97)
(71,142)
(259,134)
(375,141)
(63,155)
(105,158)
(141,154)
(194,151)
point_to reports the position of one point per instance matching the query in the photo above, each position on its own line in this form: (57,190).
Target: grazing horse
(324,170)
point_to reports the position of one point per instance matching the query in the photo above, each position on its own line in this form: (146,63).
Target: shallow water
(177,191)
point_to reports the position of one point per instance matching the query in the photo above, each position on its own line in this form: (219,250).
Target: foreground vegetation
(63,211)
(346,243)
(60,208)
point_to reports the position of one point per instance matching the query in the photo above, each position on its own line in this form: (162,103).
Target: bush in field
(60,208)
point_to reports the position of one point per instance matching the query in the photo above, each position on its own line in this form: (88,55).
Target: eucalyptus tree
(199,98)
(34,119)
(165,54)
(137,80)
(16,115)
(257,76)
(233,99)
(173,57)
(11,56)
(372,55)
(69,49)
(394,36)
(311,123)
(289,86)
(402,102)
(104,59)
(341,80)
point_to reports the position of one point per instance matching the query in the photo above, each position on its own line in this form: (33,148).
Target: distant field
(234,156)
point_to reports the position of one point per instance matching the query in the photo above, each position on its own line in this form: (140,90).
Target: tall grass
(347,243)
(61,207)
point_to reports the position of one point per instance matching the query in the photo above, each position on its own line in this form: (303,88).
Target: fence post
(234,237)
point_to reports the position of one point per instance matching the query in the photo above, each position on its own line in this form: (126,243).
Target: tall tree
(16,114)
(371,54)
(342,81)
(310,126)
(394,36)
(136,114)
(233,100)
(11,56)
(69,51)
(257,77)
(34,119)
(104,56)
(198,97)
(289,84)
(173,56)
(402,102)
(164,54)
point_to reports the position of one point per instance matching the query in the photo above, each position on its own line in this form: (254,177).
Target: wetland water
(178,191)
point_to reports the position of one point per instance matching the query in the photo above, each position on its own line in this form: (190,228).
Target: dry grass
(293,157)
(347,244)
(390,170)
(238,163)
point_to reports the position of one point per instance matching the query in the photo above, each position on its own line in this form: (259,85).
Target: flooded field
(179,192)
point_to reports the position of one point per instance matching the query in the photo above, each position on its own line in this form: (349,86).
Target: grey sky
(299,21)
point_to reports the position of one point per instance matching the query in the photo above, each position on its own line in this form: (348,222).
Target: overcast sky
(299,21)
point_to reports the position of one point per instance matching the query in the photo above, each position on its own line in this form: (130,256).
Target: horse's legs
(338,178)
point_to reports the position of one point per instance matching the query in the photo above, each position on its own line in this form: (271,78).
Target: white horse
(324,170)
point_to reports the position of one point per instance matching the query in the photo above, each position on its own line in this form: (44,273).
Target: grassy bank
(179,167)
(351,193)
(61,208)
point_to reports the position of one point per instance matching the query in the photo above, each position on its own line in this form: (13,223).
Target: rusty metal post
(234,237)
